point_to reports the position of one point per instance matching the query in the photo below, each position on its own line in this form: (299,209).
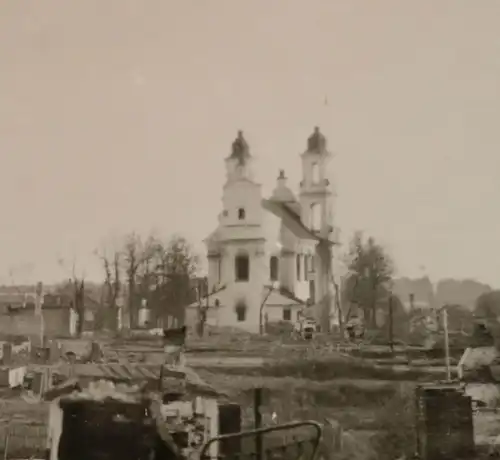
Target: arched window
(315,173)
(241,311)
(316,217)
(312,291)
(274,268)
(242,267)
(241,214)
(298,266)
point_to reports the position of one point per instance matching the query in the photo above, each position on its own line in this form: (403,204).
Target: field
(369,393)
(368,390)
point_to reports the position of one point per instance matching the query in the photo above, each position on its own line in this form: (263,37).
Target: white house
(263,258)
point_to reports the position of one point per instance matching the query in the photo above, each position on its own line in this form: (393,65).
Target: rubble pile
(102,390)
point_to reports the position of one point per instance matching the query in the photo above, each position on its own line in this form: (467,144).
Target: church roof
(316,143)
(240,149)
(290,219)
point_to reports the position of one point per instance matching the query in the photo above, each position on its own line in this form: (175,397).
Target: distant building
(58,314)
(13,300)
(264,252)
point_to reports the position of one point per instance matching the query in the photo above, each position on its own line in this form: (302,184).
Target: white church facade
(263,262)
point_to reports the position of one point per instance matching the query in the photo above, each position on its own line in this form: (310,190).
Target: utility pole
(446,343)
(391,323)
(325,256)
(257,405)
(38,309)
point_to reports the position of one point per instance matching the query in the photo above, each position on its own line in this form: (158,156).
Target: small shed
(479,364)
(445,428)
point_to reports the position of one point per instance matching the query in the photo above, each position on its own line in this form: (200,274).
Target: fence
(23,430)
(19,440)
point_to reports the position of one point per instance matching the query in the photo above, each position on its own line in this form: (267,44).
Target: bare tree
(112,288)
(137,256)
(159,272)
(76,284)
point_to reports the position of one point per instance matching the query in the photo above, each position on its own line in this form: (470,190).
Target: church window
(241,311)
(298,267)
(225,213)
(242,267)
(315,173)
(274,268)
(219,270)
(241,214)
(316,217)
(287,314)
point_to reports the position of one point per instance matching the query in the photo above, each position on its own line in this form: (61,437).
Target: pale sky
(116,115)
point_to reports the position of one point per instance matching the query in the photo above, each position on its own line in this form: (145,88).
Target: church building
(264,259)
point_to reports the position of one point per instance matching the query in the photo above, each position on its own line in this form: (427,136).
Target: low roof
(281,297)
(473,358)
(16,297)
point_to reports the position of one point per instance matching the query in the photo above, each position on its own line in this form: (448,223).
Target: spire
(316,142)
(240,149)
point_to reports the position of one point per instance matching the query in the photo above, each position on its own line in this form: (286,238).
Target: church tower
(316,194)
(239,164)
(242,194)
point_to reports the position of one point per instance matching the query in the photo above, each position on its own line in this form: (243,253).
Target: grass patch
(335,393)
(374,406)
(324,369)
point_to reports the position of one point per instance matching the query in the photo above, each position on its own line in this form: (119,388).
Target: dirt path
(224,361)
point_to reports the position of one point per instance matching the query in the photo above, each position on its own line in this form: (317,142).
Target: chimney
(412,301)
(38,298)
(7,353)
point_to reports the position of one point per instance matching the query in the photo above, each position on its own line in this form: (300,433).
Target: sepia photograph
(250,230)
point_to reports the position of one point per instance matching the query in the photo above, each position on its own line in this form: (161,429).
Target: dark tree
(175,266)
(371,273)
(112,288)
(487,315)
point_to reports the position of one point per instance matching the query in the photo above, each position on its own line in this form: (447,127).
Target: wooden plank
(106,372)
(128,369)
(144,371)
(117,371)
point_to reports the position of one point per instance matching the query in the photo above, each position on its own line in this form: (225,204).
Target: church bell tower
(316,194)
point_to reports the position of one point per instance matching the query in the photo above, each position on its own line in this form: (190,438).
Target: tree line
(160,272)
(367,291)
(137,270)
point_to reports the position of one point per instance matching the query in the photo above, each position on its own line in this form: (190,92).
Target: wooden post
(261,310)
(258,423)
(6,443)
